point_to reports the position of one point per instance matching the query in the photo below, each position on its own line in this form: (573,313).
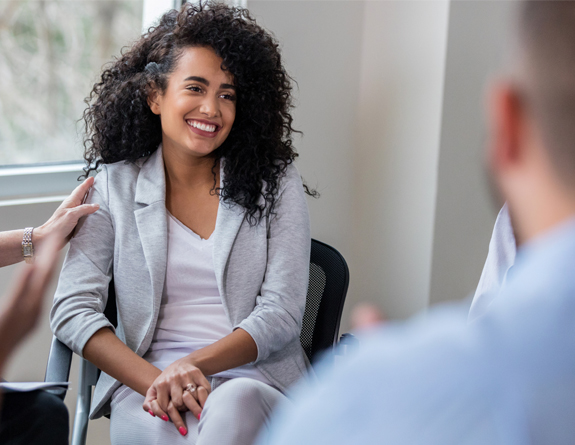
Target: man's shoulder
(407,380)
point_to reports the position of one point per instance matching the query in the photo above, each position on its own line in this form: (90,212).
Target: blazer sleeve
(82,292)
(277,317)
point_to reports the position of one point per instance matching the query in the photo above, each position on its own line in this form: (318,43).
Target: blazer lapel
(228,222)
(151,219)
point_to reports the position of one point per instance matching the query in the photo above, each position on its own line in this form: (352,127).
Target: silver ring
(190,387)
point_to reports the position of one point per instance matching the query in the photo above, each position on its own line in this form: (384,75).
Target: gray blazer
(261,271)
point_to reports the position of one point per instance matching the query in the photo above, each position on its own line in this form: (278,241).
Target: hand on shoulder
(62,223)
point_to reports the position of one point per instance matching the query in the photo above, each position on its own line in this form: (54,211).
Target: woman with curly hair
(203,227)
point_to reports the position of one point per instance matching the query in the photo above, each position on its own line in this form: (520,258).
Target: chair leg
(87,378)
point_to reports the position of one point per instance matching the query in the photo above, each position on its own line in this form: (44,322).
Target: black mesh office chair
(328,283)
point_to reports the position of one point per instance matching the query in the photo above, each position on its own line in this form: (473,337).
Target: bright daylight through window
(51,53)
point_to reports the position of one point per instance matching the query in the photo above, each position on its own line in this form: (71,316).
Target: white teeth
(204,127)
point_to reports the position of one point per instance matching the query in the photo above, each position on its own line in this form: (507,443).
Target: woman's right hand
(167,397)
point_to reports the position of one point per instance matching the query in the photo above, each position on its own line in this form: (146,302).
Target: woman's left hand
(63,222)
(168,395)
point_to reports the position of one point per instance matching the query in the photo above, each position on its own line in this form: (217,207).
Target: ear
(506,125)
(154,100)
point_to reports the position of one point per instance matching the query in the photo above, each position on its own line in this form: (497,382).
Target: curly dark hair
(121,127)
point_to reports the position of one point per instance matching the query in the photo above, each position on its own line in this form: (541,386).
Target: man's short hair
(547,43)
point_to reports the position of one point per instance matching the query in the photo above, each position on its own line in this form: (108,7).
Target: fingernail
(182,431)
(199,415)
(165,418)
(151,413)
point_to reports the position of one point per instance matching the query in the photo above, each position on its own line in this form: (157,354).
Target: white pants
(234,413)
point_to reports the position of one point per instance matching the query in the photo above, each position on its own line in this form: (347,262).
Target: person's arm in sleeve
(77,317)
(82,292)
(277,317)
(276,320)
(22,305)
(60,225)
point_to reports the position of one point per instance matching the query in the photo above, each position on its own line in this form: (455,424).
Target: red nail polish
(151,413)
(199,415)
(182,431)
(165,418)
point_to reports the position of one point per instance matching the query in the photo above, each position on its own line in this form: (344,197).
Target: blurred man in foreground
(509,376)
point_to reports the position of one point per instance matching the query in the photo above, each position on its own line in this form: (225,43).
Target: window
(51,53)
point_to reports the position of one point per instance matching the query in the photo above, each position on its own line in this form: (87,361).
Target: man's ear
(154,98)
(506,125)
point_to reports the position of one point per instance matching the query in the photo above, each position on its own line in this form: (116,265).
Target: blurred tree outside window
(51,54)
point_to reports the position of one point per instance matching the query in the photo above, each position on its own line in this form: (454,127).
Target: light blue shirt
(507,378)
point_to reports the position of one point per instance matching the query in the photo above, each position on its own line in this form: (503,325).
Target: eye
(228,96)
(194,88)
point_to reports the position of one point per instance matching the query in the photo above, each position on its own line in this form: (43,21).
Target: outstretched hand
(65,218)
(167,397)
(23,304)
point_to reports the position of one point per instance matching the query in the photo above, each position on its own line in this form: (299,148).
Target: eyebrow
(207,82)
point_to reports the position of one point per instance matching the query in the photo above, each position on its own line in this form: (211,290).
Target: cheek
(229,116)
(229,113)
(231,119)
(169,112)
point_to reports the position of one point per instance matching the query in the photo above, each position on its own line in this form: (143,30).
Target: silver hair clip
(152,68)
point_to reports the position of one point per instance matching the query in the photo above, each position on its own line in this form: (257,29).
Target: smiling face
(198,108)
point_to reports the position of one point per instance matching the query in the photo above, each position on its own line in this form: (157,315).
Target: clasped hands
(168,397)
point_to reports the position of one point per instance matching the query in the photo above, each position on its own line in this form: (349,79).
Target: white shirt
(191,315)
(500,259)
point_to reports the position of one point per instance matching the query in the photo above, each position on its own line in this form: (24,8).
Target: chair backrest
(328,283)
(111,309)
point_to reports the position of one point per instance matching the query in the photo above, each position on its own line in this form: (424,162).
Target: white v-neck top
(192,315)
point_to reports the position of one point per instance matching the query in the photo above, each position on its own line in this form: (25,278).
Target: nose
(210,106)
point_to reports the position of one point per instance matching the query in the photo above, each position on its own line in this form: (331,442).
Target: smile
(208,128)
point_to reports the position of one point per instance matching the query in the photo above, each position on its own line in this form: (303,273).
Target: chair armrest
(58,368)
(348,343)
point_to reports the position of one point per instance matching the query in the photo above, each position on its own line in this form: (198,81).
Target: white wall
(396,152)
(370,77)
(465,209)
